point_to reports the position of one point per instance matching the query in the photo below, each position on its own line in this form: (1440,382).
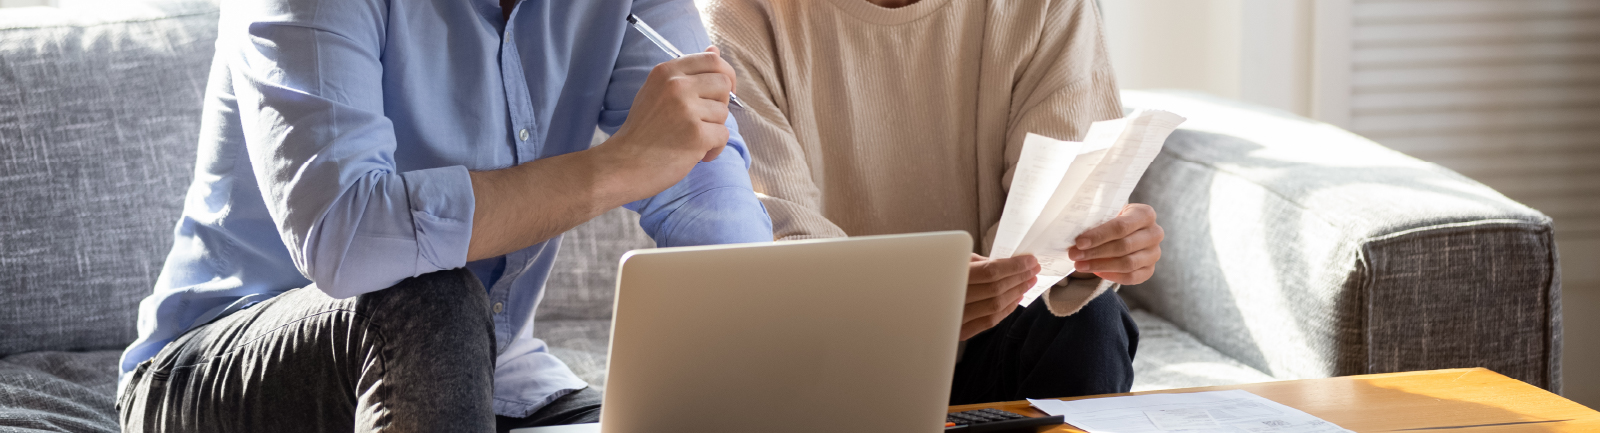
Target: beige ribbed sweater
(863,120)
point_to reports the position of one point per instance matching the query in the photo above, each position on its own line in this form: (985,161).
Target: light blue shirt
(338,135)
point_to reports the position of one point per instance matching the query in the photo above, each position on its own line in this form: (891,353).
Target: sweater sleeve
(780,171)
(1068,85)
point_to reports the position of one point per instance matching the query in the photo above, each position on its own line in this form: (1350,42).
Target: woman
(873,117)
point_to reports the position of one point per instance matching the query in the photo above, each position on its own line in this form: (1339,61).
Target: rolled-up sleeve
(715,203)
(307,78)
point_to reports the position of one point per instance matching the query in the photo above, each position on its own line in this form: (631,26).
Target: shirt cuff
(724,215)
(441,205)
(1071,294)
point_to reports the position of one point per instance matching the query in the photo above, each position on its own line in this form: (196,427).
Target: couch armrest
(1307,251)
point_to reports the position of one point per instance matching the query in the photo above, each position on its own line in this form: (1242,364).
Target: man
(889,116)
(356,155)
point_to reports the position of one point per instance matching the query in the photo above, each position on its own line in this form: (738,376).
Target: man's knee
(439,300)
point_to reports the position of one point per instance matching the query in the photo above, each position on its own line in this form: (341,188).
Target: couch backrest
(583,284)
(99,113)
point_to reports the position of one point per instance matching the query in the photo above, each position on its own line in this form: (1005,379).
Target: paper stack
(1062,188)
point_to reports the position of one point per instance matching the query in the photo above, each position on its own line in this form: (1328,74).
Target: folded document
(1062,188)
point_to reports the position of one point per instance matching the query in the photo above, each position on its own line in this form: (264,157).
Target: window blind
(1505,92)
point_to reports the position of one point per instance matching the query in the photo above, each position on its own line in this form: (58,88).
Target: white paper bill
(1233,411)
(1181,419)
(1061,188)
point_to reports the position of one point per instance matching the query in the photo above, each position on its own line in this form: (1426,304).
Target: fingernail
(1075,254)
(1081,266)
(1083,244)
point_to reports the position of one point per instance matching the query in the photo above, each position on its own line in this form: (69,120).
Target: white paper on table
(593,427)
(1181,419)
(1232,411)
(1061,188)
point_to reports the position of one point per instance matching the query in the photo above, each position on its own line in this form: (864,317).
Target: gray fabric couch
(1295,250)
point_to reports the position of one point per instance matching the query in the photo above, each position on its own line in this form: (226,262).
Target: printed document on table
(1234,411)
(1061,188)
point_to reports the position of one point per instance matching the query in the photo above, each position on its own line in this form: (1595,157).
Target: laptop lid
(838,335)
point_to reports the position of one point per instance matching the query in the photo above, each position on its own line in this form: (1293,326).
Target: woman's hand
(1124,250)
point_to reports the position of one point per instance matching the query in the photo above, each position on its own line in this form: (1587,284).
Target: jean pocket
(144,386)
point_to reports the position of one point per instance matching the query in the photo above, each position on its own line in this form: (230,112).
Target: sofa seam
(1502,222)
(1552,263)
(1297,204)
(103,23)
(1366,283)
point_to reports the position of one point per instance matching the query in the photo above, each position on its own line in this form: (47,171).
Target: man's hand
(677,120)
(1123,250)
(994,286)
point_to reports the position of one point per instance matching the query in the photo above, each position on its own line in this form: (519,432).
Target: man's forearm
(676,121)
(520,206)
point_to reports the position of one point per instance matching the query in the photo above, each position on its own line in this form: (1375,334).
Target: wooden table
(1439,401)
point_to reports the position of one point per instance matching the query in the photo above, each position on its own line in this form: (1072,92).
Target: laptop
(837,335)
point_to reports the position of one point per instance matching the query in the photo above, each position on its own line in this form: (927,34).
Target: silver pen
(662,43)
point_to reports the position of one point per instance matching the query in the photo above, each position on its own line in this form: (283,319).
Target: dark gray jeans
(1034,354)
(416,357)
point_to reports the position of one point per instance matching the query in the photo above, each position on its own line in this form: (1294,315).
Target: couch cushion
(99,111)
(1170,358)
(583,344)
(59,392)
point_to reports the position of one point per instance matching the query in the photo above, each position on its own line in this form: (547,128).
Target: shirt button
(523,134)
(498,307)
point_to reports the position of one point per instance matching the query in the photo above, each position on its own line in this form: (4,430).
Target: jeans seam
(547,400)
(382,340)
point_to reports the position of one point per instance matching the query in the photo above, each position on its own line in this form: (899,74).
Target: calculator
(995,420)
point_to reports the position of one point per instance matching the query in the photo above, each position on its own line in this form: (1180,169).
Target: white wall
(1182,45)
(1252,50)
(22,3)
